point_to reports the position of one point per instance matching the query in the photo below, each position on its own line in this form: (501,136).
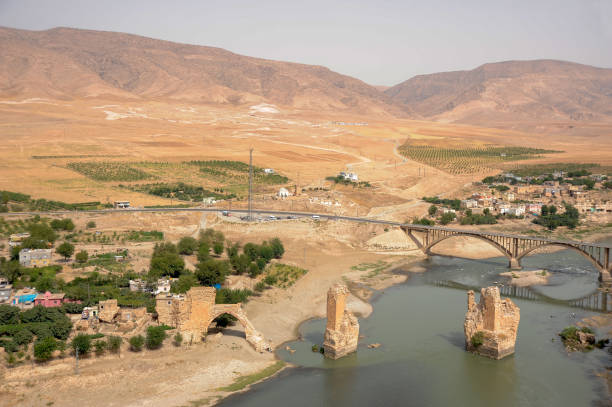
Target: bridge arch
(427,249)
(584,254)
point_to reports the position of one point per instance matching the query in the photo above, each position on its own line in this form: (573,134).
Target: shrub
(155,337)
(136,343)
(73,307)
(114,343)
(178,339)
(218,248)
(82,256)
(260,286)
(8,315)
(82,343)
(100,347)
(315,348)
(477,339)
(91,224)
(23,337)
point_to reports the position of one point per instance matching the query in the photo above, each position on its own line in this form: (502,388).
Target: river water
(422,361)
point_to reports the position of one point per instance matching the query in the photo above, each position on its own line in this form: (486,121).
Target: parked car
(316,217)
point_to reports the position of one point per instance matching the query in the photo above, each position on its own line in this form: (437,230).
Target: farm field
(96,151)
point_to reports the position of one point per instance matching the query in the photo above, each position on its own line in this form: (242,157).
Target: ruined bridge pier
(514,247)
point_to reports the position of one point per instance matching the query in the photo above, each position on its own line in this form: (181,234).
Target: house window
(169,302)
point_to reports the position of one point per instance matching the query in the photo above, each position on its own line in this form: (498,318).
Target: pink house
(51,299)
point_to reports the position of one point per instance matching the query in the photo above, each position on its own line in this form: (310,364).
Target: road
(310,215)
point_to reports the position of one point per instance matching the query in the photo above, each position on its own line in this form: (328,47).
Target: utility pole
(76,370)
(250,184)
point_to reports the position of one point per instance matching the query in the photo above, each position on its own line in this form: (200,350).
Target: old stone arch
(193,313)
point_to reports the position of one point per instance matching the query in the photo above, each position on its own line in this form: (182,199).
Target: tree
(203,251)
(187,245)
(65,249)
(432,210)
(254,270)
(240,263)
(136,343)
(251,250)
(82,343)
(155,337)
(277,248)
(447,218)
(9,315)
(23,337)
(184,283)
(218,248)
(91,224)
(42,232)
(62,224)
(211,272)
(44,348)
(82,257)
(266,252)
(166,261)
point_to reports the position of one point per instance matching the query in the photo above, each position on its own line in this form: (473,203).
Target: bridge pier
(605,277)
(515,264)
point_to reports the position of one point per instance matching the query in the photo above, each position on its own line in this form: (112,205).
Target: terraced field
(460,160)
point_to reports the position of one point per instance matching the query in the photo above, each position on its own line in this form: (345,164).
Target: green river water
(422,361)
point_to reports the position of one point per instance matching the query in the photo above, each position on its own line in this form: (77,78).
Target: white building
(284,193)
(470,203)
(209,201)
(268,171)
(517,211)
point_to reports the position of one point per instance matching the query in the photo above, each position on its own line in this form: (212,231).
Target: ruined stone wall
(108,310)
(495,320)
(342,330)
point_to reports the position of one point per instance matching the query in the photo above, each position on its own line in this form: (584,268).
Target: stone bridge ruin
(193,313)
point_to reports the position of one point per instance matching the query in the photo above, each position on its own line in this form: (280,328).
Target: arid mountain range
(64,63)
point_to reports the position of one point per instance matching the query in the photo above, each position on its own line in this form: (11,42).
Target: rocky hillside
(511,91)
(69,63)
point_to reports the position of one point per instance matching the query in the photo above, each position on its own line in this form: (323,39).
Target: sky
(381,42)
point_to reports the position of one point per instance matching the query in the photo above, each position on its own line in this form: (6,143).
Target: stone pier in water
(342,330)
(491,325)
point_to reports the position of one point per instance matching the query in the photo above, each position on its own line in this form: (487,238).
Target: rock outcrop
(342,331)
(491,326)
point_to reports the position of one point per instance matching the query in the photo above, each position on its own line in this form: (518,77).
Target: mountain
(513,91)
(65,63)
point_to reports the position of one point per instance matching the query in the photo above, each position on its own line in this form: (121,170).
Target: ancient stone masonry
(491,326)
(342,331)
(193,313)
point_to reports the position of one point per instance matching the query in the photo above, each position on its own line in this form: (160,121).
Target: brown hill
(514,91)
(69,63)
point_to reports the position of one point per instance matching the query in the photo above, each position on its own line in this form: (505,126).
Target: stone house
(35,257)
(5,290)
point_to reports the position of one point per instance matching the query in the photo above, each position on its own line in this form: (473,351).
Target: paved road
(258,212)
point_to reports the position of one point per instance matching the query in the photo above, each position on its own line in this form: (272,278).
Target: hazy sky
(382,42)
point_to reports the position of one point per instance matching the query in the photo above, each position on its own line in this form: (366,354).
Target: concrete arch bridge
(513,247)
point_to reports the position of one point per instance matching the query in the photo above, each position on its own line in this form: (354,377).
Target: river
(422,361)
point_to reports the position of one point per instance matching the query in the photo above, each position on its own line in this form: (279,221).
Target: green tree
(136,343)
(82,256)
(42,232)
(9,315)
(432,210)
(44,348)
(155,337)
(203,251)
(166,261)
(277,248)
(211,272)
(82,343)
(187,245)
(65,249)
(218,248)
(447,218)
(184,283)
(23,337)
